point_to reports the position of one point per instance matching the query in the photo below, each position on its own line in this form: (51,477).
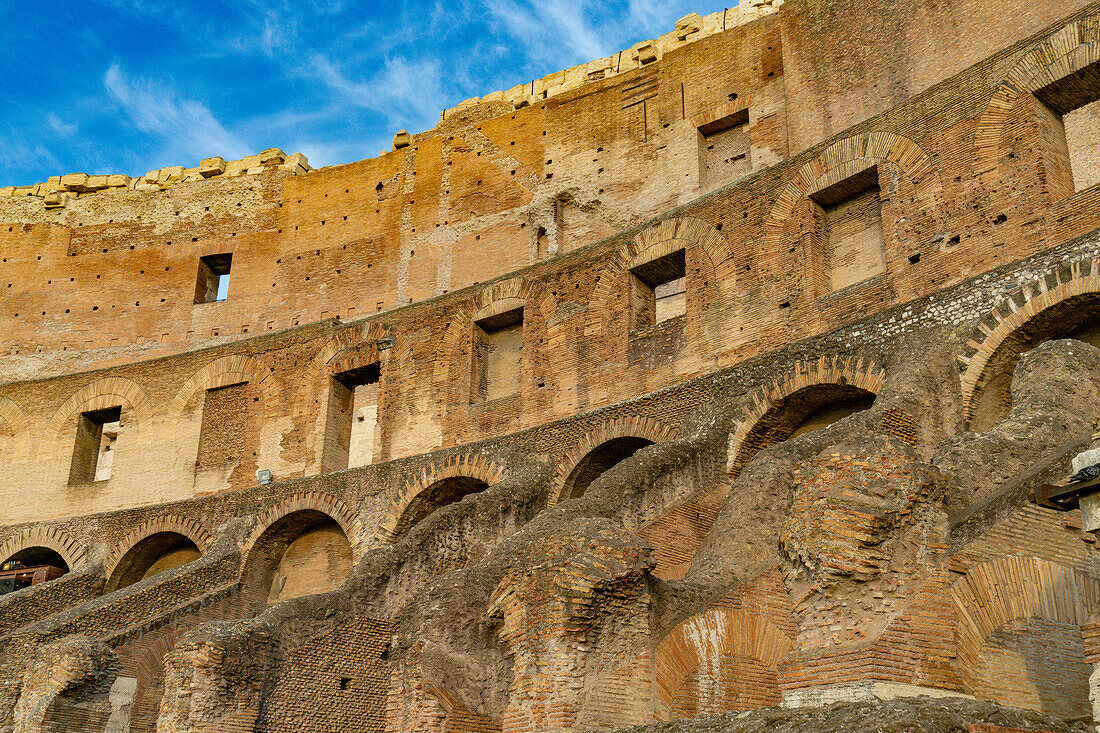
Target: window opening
(850,217)
(659,290)
(1069,125)
(97,432)
(352,422)
(497,356)
(724,149)
(213,279)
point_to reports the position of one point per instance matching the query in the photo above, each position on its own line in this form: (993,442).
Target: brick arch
(1013,588)
(505,295)
(837,162)
(1055,287)
(1064,52)
(189,528)
(365,340)
(48,537)
(12,414)
(664,237)
(633,426)
(105,392)
(705,638)
(224,372)
(852,372)
(465,465)
(334,508)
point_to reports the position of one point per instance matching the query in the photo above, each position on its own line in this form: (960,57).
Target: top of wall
(690,28)
(58,190)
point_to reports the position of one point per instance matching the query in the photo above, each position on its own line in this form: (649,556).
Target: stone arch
(12,414)
(1047,308)
(816,384)
(475,470)
(97,395)
(644,429)
(181,527)
(224,372)
(1066,51)
(664,237)
(836,163)
(310,517)
(70,551)
(1008,591)
(712,640)
(362,345)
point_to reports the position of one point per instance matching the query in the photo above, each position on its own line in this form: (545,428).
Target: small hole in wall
(345,683)
(1000,219)
(914,258)
(785,304)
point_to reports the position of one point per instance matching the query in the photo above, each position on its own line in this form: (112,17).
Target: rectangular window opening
(212,285)
(222,433)
(850,214)
(658,291)
(1069,127)
(724,148)
(352,422)
(94,451)
(497,356)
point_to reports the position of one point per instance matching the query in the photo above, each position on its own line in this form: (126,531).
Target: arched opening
(436,496)
(599,460)
(1037,664)
(1074,318)
(151,556)
(810,408)
(303,553)
(31,566)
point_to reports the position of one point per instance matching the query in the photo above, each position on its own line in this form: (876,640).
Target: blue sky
(127,86)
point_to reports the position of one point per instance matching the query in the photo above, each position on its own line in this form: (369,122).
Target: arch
(441,483)
(1006,591)
(837,162)
(45,537)
(316,501)
(100,394)
(137,553)
(286,543)
(657,240)
(224,372)
(1049,307)
(12,414)
(1064,52)
(617,435)
(355,347)
(778,409)
(707,640)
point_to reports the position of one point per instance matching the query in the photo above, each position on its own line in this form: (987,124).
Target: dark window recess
(352,418)
(497,356)
(93,453)
(658,290)
(212,284)
(1069,123)
(851,248)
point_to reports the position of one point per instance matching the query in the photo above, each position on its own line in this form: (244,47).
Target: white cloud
(544,28)
(185,129)
(60,127)
(402,90)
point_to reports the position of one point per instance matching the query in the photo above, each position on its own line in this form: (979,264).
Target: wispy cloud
(544,28)
(185,129)
(63,129)
(401,89)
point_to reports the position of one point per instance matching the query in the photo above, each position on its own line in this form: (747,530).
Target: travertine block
(402,139)
(212,167)
(272,156)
